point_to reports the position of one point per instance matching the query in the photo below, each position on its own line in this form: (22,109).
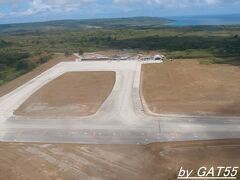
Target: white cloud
(45,6)
(177,3)
(66,4)
(1,15)
(36,7)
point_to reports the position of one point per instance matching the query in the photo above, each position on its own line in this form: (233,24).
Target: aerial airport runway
(120,120)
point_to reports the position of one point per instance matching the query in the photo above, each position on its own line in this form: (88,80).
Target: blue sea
(206,20)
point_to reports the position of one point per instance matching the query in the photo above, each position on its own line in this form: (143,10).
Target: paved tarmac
(120,120)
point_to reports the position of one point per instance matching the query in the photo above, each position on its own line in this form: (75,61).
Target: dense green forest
(16,63)
(22,48)
(110,23)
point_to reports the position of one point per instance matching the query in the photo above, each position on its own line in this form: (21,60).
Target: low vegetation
(15,63)
(24,46)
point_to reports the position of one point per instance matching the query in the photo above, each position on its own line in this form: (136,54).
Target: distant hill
(207,20)
(111,23)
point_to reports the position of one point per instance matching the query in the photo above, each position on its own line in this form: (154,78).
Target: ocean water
(206,20)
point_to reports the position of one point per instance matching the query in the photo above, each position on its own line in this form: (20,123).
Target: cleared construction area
(188,87)
(72,94)
(153,161)
(120,119)
(78,89)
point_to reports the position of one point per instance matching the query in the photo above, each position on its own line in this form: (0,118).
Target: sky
(18,11)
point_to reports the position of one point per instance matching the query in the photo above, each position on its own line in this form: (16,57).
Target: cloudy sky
(41,10)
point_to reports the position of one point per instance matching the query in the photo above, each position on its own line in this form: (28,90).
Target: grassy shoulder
(189,87)
(72,94)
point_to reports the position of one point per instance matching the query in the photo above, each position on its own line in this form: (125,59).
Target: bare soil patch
(187,87)
(72,94)
(154,161)
(10,86)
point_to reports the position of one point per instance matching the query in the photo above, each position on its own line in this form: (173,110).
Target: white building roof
(158,56)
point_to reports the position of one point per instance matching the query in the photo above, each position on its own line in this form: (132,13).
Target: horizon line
(82,19)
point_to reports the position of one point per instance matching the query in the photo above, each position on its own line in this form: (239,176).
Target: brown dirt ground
(159,161)
(187,87)
(10,86)
(72,94)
